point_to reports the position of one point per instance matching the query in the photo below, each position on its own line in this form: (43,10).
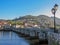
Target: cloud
(47,12)
(58,14)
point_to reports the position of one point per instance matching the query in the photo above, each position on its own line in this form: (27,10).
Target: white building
(0,26)
(16,26)
(6,25)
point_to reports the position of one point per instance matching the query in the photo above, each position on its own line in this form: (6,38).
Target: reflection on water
(11,38)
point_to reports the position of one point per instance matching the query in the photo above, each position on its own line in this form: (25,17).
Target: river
(11,38)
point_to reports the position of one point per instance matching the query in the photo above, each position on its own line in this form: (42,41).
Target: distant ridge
(39,18)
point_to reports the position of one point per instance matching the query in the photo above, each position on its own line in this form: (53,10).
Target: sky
(10,9)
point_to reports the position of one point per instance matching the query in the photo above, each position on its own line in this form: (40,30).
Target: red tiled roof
(2,22)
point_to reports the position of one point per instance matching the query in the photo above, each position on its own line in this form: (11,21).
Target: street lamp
(53,12)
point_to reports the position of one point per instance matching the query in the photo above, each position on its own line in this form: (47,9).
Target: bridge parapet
(53,38)
(32,32)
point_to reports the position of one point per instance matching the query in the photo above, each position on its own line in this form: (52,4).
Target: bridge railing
(32,32)
(53,38)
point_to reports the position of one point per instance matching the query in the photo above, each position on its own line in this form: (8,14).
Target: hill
(42,19)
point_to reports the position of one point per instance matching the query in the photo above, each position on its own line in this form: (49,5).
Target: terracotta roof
(3,22)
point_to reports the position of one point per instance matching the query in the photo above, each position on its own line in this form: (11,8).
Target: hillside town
(7,24)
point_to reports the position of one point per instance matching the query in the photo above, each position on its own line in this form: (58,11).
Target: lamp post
(54,12)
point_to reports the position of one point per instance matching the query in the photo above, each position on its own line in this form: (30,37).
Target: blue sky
(10,9)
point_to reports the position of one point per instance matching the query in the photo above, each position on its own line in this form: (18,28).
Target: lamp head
(53,10)
(55,6)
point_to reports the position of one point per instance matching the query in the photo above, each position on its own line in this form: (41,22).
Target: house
(0,26)
(36,25)
(6,26)
(16,26)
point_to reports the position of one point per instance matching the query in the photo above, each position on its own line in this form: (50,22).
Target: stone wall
(53,38)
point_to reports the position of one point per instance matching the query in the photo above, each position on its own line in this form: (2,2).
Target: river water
(11,38)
